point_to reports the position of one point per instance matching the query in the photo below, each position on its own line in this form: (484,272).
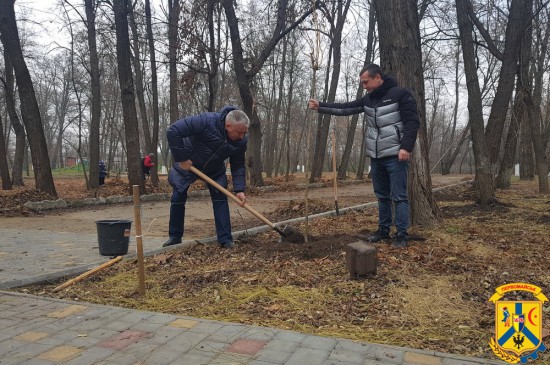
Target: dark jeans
(389,179)
(102,180)
(219,204)
(145,171)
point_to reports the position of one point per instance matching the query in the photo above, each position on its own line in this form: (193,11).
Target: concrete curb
(45,205)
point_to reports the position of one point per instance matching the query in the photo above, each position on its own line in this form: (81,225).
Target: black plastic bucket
(113,236)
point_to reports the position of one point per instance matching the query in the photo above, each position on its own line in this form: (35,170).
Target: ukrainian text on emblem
(518,324)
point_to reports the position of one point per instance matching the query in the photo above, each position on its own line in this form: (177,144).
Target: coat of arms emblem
(518,324)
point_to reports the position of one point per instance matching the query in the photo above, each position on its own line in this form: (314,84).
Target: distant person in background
(146,165)
(102,172)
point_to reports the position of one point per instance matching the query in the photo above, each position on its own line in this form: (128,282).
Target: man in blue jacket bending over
(205,141)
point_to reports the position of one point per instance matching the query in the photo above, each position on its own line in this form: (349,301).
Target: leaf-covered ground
(431,295)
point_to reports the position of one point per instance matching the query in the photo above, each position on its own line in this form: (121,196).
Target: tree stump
(361,259)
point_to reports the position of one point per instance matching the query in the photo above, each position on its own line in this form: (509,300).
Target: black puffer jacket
(202,139)
(391,115)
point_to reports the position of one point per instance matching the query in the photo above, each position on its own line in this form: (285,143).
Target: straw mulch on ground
(432,295)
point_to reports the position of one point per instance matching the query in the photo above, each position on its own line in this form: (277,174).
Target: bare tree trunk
(29,106)
(288,112)
(20,139)
(4,168)
(140,94)
(448,160)
(245,78)
(127,95)
(174,9)
(484,178)
(506,169)
(91,6)
(509,58)
(342,169)
(271,142)
(400,54)
(213,54)
(154,90)
(538,147)
(362,153)
(337,19)
(526,159)
(533,100)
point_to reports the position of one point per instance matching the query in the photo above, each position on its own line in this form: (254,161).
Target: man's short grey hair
(238,117)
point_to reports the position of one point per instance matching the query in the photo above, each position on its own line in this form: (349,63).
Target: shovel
(288,234)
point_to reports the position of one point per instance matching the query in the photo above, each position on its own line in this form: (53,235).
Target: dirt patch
(432,295)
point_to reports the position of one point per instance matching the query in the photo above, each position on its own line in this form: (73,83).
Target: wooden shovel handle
(203,176)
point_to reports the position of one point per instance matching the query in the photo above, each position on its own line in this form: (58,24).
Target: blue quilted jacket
(202,139)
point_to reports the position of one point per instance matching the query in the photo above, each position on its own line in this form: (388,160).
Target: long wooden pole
(334,171)
(139,242)
(86,274)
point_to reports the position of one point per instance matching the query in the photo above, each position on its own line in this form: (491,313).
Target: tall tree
(29,106)
(401,55)
(509,57)
(91,7)
(246,76)
(174,9)
(4,169)
(343,168)
(533,109)
(126,82)
(337,19)
(154,88)
(20,138)
(483,176)
(139,77)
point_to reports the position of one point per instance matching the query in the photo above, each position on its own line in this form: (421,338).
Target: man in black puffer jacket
(205,141)
(392,124)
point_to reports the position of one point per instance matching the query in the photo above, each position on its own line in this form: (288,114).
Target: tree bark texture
(174,10)
(133,156)
(91,6)
(20,138)
(29,106)
(506,168)
(154,90)
(508,69)
(4,168)
(140,93)
(401,55)
(526,156)
(483,177)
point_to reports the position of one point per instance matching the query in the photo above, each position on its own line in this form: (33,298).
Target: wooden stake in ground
(334,171)
(139,242)
(86,274)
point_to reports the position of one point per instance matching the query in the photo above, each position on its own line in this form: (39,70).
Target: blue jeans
(389,179)
(219,204)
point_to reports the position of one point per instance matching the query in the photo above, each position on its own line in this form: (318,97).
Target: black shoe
(401,240)
(172,241)
(378,236)
(229,244)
